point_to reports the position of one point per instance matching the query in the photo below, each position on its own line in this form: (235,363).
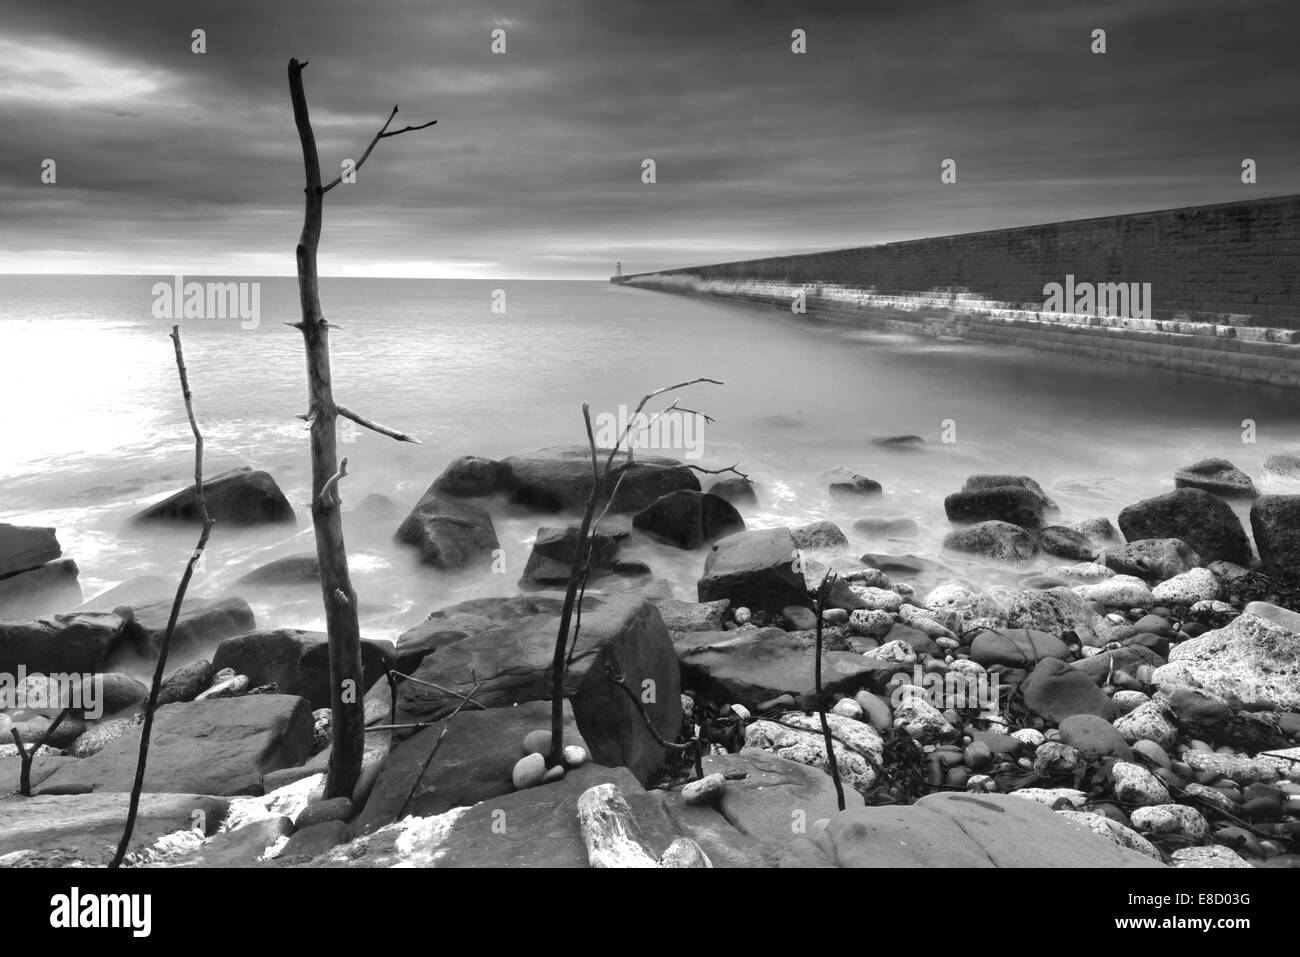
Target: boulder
(857,753)
(849,486)
(296,662)
(754,569)
(958,830)
(447,626)
(998,540)
(1068,543)
(689,519)
(976,482)
(824,537)
(753,666)
(75,643)
(24,547)
(202,623)
(1275,523)
(1055,691)
(511,660)
(1004,503)
(301,569)
(1187,588)
(1216,476)
(736,490)
(1152,559)
(1281,472)
(240,497)
(40,591)
(551,559)
(450,534)
(1205,522)
(470,476)
(221,747)
(473,763)
(1099,529)
(1254,658)
(558,479)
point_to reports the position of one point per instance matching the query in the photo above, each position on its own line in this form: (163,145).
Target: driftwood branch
(383,134)
(329,495)
(160,668)
(374,426)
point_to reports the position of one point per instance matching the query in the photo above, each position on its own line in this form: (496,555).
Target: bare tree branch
(374,426)
(160,668)
(383,134)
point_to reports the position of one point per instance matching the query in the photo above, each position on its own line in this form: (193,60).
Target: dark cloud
(168,160)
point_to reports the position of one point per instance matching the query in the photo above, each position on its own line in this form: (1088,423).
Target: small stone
(528,771)
(1029,736)
(848,708)
(1129,701)
(706,790)
(1053,756)
(537,742)
(1149,722)
(1153,753)
(875,710)
(574,756)
(1134,784)
(553,774)
(870,623)
(742,615)
(1171,819)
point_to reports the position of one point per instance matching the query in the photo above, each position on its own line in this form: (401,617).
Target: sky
(171,161)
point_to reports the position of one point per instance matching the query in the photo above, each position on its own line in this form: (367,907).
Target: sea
(94,426)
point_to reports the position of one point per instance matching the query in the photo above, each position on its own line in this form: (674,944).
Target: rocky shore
(1128,695)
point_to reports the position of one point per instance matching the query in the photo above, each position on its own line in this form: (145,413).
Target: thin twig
(26,757)
(820,596)
(621,681)
(381,135)
(374,426)
(160,668)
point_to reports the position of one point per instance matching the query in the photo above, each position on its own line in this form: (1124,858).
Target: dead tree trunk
(347,686)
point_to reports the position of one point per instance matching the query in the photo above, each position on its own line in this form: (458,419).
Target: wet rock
(76,643)
(1006,503)
(1275,523)
(202,623)
(1199,584)
(1151,559)
(558,479)
(1119,591)
(449,533)
(301,569)
(737,491)
(820,537)
(754,569)
(689,519)
(1205,522)
(470,476)
(1216,476)
(551,560)
(847,486)
(1134,784)
(1067,543)
(1055,691)
(237,498)
(185,683)
(1000,541)
(1252,659)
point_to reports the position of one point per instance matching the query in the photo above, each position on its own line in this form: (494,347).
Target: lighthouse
(618,269)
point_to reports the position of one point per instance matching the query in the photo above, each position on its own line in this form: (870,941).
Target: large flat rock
(79,642)
(87,827)
(533,828)
(239,497)
(511,659)
(754,665)
(754,569)
(958,830)
(26,546)
(558,479)
(223,747)
(471,764)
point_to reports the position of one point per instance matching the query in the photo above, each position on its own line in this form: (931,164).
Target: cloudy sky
(171,161)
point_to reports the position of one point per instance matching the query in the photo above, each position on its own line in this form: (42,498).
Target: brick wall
(1233,263)
(1225,293)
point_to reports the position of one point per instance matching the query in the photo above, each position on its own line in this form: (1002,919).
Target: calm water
(95,428)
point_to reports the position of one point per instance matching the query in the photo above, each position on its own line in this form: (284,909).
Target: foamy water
(95,428)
